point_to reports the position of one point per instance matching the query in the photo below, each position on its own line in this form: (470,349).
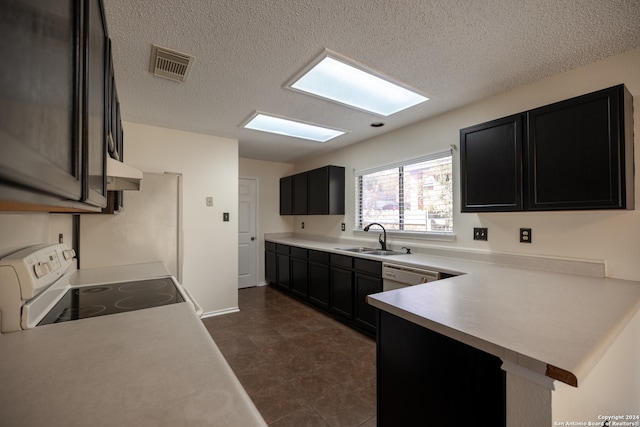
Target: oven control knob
(69,254)
(42,269)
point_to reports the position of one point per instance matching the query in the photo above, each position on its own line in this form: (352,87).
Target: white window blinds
(413,196)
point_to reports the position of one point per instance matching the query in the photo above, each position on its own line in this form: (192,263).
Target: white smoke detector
(169,64)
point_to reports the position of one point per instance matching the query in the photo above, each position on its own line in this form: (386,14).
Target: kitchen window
(414,196)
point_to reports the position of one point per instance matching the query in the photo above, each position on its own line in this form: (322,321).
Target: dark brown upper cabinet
(95,102)
(580,153)
(300,194)
(326,191)
(40,75)
(114,142)
(573,154)
(491,165)
(59,105)
(286,195)
(316,192)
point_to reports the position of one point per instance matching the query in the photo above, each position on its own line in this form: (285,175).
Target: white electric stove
(41,285)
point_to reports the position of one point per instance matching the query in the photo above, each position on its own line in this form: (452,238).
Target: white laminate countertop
(552,323)
(152,367)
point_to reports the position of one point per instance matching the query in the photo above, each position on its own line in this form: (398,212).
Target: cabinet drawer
(367,266)
(342,260)
(270,246)
(298,252)
(319,257)
(282,249)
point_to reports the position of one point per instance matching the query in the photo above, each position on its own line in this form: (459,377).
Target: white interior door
(247,238)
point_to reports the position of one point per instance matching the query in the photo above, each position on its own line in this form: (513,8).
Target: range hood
(121,176)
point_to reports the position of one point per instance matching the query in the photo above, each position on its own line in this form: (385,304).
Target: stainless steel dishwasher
(396,276)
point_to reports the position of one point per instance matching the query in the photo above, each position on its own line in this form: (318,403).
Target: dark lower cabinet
(367,280)
(342,292)
(342,285)
(335,284)
(365,314)
(270,263)
(425,378)
(299,272)
(319,279)
(283,263)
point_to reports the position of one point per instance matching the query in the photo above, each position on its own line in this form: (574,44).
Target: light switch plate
(225,216)
(209,201)
(480,233)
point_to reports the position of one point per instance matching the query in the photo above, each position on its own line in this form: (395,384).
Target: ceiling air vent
(170,64)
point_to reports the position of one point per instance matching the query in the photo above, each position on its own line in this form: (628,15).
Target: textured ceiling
(458,51)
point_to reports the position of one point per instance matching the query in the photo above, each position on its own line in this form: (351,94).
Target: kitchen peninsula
(556,333)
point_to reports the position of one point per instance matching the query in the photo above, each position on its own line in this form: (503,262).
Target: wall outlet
(480,233)
(302,225)
(343,227)
(525,235)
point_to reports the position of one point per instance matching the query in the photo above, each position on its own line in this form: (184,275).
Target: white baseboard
(220,312)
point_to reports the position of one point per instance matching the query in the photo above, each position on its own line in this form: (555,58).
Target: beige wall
(19,230)
(268,176)
(209,165)
(601,235)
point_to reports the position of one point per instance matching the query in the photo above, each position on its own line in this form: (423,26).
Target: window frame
(401,232)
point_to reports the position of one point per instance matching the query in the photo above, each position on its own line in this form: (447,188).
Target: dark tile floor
(299,366)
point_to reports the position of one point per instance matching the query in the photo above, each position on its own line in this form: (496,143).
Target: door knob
(253,238)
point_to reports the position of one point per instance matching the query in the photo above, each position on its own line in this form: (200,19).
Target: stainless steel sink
(382,252)
(359,250)
(369,251)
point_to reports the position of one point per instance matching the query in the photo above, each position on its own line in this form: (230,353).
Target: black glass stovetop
(98,300)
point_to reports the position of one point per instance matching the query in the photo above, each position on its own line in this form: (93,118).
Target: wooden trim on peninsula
(561,375)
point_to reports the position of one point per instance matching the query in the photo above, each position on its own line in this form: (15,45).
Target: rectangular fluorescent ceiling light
(287,127)
(339,79)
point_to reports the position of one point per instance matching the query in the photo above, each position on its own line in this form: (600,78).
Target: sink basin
(359,250)
(382,252)
(369,251)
